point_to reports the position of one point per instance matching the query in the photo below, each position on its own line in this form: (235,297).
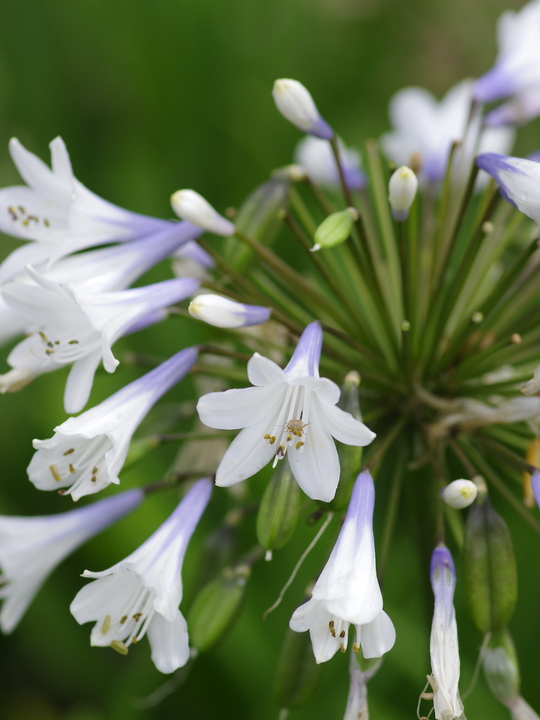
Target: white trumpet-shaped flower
(517,66)
(223,312)
(289,411)
(141,594)
(86,453)
(443,648)
(61,216)
(519,181)
(74,326)
(31,547)
(347,591)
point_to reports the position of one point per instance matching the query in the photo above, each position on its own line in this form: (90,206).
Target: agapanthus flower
(61,216)
(73,326)
(223,312)
(517,66)
(315,156)
(519,181)
(86,453)
(347,591)
(424,130)
(31,547)
(191,206)
(444,650)
(291,411)
(518,110)
(141,594)
(294,102)
(357,701)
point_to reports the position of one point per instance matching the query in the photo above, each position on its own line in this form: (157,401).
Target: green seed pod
(279,509)
(350,456)
(297,673)
(501,667)
(335,229)
(490,568)
(259,217)
(216,607)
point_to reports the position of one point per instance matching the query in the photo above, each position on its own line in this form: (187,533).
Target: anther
(11,211)
(342,647)
(137,616)
(73,342)
(123,619)
(356,647)
(54,472)
(120,647)
(93,478)
(342,634)
(71,468)
(95,470)
(106,624)
(22,210)
(299,445)
(68,452)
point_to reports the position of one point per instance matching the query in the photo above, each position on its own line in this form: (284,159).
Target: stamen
(71,468)
(68,452)
(120,647)
(54,472)
(342,647)
(356,647)
(106,624)
(137,616)
(123,619)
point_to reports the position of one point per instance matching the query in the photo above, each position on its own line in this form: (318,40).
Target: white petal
(314,617)
(316,466)
(239,408)
(343,426)
(248,452)
(169,642)
(80,381)
(262,371)
(378,637)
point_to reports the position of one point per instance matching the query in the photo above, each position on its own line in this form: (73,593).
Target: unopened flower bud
(222,312)
(402,191)
(279,509)
(216,607)
(490,568)
(191,206)
(460,494)
(297,673)
(335,229)
(295,103)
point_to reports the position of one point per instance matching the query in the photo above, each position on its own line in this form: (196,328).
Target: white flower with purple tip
(73,326)
(315,156)
(294,102)
(87,453)
(61,216)
(225,313)
(443,648)
(347,591)
(517,66)
(141,594)
(518,179)
(291,411)
(31,547)
(191,206)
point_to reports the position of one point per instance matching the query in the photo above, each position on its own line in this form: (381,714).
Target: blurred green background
(155,96)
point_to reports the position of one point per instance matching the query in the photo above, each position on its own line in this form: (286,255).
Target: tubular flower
(519,181)
(87,453)
(78,327)
(288,411)
(425,129)
(57,212)
(31,547)
(517,66)
(347,591)
(141,594)
(443,647)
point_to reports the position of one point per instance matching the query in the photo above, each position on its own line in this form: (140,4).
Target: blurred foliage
(151,97)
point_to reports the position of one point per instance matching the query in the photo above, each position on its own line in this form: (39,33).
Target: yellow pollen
(342,647)
(356,647)
(137,617)
(71,469)
(299,445)
(123,619)
(93,478)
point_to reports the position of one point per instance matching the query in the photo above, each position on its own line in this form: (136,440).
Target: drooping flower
(517,66)
(191,206)
(31,547)
(288,411)
(519,181)
(357,701)
(87,453)
(80,328)
(61,216)
(444,649)
(347,591)
(424,130)
(316,158)
(141,594)
(222,312)
(294,102)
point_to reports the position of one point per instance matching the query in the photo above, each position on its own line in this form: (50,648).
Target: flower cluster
(397,350)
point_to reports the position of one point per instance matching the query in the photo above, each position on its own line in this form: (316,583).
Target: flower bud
(402,191)
(350,456)
(222,312)
(460,494)
(191,206)
(279,509)
(335,229)
(297,673)
(501,667)
(295,103)
(216,607)
(490,568)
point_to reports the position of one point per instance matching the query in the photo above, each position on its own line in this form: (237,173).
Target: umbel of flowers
(394,355)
